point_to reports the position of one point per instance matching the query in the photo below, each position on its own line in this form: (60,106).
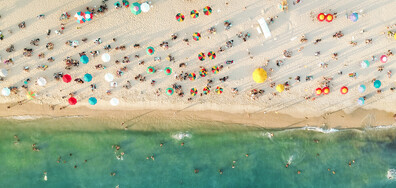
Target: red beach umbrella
(321,17)
(384,58)
(72,101)
(326,90)
(344,90)
(318,91)
(67,78)
(329,17)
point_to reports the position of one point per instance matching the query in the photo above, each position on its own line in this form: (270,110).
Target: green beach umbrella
(207,10)
(135,8)
(87,77)
(196,36)
(84,59)
(92,101)
(192,76)
(169,91)
(179,17)
(377,84)
(168,71)
(194,14)
(215,69)
(193,91)
(150,70)
(150,50)
(206,90)
(201,56)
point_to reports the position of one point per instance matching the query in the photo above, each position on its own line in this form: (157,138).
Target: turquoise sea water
(207,148)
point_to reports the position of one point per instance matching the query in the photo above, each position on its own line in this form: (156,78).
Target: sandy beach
(297,106)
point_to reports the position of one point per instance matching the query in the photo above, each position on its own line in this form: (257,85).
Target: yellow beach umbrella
(259,75)
(394,36)
(280,88)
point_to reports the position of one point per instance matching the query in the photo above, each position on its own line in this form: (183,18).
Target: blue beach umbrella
(87,77)
(365,64)
(377,84)
(135,8)
(362,88)
(354,17)
(361,101)
(92,100)
(84,59)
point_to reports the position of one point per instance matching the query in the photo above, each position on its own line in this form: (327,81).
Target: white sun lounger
(264,27)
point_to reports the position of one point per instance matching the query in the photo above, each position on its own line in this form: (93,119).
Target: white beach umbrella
(365,64)
(41,81)
(6,91)
(114,101)
(3,72)
(106,57)
(109,77)
(145,7)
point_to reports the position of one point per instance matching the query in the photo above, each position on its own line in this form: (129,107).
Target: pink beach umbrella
(384,58)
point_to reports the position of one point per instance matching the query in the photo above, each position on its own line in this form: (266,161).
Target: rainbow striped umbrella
(150,70)
(207,10)
(203,72)
(192,76)
(180,17)
(196,36)
(169,91)
(150,50)
(201,56)
(168,71)
(30,95)
(80,17)
(193,91)
(206,90)
(194,14)
(215,69)
(211,55)
(219,90)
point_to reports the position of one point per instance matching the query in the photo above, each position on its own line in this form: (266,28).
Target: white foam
(391,174)
(24,117)
(318,129)
(181,135)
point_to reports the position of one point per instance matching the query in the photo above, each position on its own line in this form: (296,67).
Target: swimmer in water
(298,172)
(247,155)
(196,171)
(287,165)
(45,176)
(161,144)
(220,171)
(182,143)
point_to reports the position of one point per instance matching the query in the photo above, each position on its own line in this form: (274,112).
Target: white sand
(150,29)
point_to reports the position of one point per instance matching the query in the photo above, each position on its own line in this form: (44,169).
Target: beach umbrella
(72,101)
(80,17)
(203,72)
(321,17)
(168,71)
(6,91)
(329,17)
(318,91)
(3,72)
(41,81)
(169,91)
(106,57)
(280,88)
(219,90)
(180,17)
(211,55)
(84,59)
(326,90)
(192,76)
(377,84)
(344,90)
(145,7)
(206,90)
(194,14)
(201,56)
(207,10)
(365,64)
(114,101)
(30,95)
(67,78)
(384,58)
(109,77)
(362,88)
(354,17)
(394,36)
(135,8)
(259,75)
(196,36)
(87,77)
(150,50)
(361,101)
(150,70)
(88,16)
(92,101)
(193,91)
(215,69)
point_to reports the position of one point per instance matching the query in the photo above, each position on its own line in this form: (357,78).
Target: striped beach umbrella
(192,76)
(30,95)
(280,88)
(321,17)
(169,91)
(6,91)
(344,90)
(318,91)
(377,84)
(215,69)
(326,90)
(66,78)
(203,72)
(211,55)
(168,71)
(92,101)
(384,58)
(365,64)
(194,14)
(206,90)
(135,8)
(150,70)
(80,17)
(84,59)
(207,10)
(87,77)
(362,88)
(196,36)
(219,90)
(72,101)
(150,50)
(329,18)
(201,56)
(361,101)
(180,17)
(193,91)
(88,16)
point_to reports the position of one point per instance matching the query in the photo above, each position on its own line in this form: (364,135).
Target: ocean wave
(181,135)
(382,127)
(318,129)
